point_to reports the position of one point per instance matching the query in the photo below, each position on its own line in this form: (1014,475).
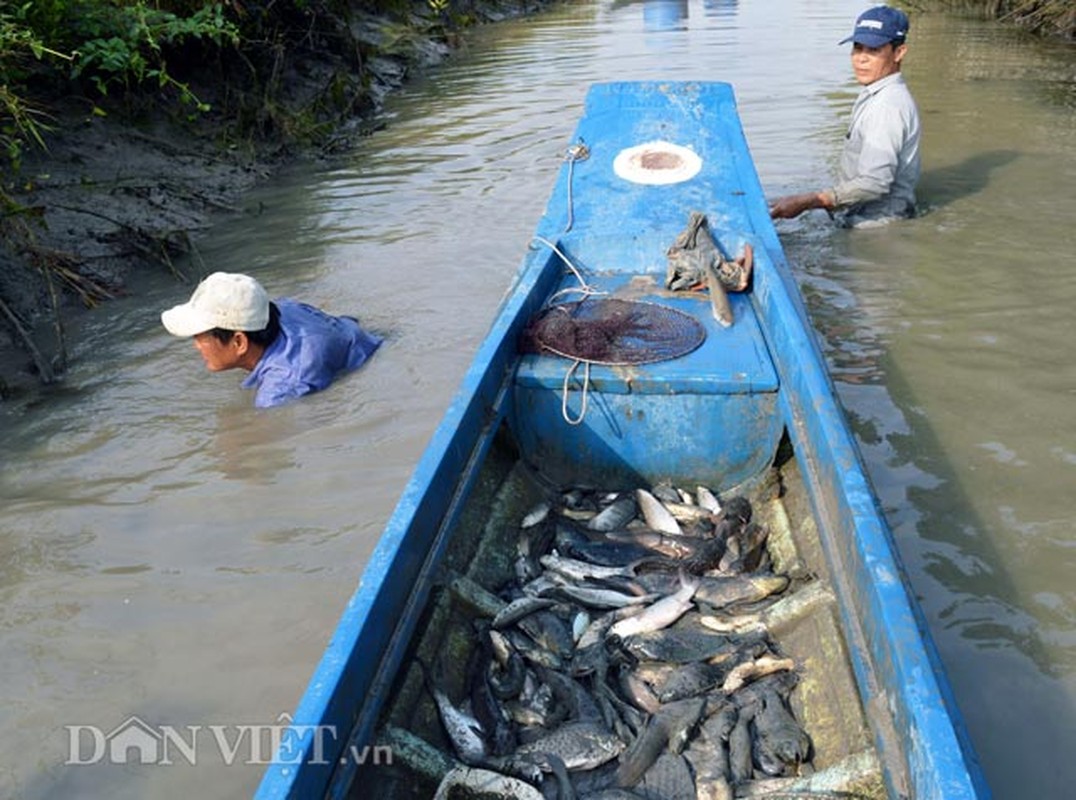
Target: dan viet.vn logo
(134,741)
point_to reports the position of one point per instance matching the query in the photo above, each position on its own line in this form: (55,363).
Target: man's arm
(793,205)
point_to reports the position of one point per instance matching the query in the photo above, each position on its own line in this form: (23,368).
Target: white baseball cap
(225,300)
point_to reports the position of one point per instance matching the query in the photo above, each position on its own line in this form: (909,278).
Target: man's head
(880,26)
(878,43)
(229,316)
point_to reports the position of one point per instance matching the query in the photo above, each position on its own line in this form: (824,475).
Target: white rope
(564,392)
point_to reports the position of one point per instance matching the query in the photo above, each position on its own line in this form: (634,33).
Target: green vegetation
(250,75)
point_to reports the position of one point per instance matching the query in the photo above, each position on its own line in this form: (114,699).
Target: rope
(564,392)
(577,152)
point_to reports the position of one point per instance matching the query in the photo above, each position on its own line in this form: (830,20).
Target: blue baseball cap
(879,26)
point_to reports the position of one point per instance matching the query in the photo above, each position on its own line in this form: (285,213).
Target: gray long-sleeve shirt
(879,167)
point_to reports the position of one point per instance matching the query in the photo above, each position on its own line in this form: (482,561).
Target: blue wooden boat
(752,397)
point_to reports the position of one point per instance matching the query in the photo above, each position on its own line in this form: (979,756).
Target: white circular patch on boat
(657,163)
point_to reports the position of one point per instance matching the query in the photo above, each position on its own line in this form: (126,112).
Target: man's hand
(793,205)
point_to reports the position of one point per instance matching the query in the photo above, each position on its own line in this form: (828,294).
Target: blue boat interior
(751,409)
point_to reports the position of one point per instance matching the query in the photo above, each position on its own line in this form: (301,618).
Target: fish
(707,500)
(607,553)
(578,570)
(719,299)
(690,254)
(464,731)
(600,598)
(655,514)
(668,778)
(690,680)
(660,614)
(750,670)
(581,745)
(725,591)
(539,513)
(670,727)
(681,645)
(780,741)
(549,631)
(637,691)
(494,723)
(477,782)
(741,762)
(672,545)
(519,608)
(568,691)
(615,515)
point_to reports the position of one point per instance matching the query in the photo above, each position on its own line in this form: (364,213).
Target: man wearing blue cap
(880,163)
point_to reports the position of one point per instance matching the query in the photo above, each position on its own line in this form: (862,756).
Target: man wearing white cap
(879,166)
(289,348)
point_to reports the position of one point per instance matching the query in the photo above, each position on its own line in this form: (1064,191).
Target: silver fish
(471,781)
(660,614)
(615,515)
(463,729)
(656,515)
(601,598)
(708,500)
(582,570)
(537,514)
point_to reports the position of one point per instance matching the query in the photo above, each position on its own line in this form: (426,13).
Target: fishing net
(614,332)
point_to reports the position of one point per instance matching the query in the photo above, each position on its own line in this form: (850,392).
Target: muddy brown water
(170,557)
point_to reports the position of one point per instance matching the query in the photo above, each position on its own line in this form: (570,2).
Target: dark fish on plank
(724,591)
(581,744)
(690,680)
(780,741)
(507,672)
(682,645)
(668,779)
(608,553)
(741,763)
(568,691)
(708,755)
(549,631)
(495,724)
(669,727)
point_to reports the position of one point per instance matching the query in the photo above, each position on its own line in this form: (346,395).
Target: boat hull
(717,416)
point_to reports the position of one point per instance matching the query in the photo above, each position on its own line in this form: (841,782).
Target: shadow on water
(975,614)
(957,574)
(941,186)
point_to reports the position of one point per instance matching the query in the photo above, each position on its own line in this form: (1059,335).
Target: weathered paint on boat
(683,418)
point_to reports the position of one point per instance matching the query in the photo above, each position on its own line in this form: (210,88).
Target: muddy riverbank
(133,189)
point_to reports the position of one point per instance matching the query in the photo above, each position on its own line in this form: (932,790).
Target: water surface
(168,552)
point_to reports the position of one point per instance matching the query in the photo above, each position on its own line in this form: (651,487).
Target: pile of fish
(632,657)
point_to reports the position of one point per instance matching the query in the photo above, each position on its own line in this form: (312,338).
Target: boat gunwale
(892,651)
